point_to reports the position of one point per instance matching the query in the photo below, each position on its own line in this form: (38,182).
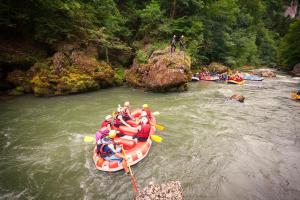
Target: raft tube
(209,78)
(250,77)
(235,82)
(295,96)
(135,152)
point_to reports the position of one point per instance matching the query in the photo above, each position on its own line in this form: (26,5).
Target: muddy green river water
(216,148)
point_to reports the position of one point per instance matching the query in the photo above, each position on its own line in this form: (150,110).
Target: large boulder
(166,191)
(217,68)
(70,70)
(296,70)
(164,72)
(265,73)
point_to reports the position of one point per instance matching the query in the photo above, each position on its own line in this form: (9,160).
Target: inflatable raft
(236,82)
(135,152)
(295,96)
(250,77)
(209,78)
(195,77)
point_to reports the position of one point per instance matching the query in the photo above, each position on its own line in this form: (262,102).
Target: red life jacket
(117,122)
(105,153)
(144,132)
(105,123)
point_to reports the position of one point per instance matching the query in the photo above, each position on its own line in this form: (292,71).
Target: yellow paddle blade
(159,127)
(89,139)
(156,138)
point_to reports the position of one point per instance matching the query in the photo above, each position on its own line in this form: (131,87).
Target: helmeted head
(108,117)
(127,104)
(112,134)
(174,36)
(182,36)
(145,106)
(144,114)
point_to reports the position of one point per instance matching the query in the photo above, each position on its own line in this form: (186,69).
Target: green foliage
(119,76)
(141,56)
(150,17)
(233,32)
(289,49)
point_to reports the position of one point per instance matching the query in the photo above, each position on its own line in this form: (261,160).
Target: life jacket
(125,114)
(117,122)
(105,123)
(144,132)
(105,151)
(103,132)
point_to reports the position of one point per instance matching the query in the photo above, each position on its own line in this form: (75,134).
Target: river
(217,148)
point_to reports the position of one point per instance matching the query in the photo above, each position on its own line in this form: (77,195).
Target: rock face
(70,70)
(164,72)
(168,191)
(265,73)
(237,97)
(217,68)
(296,70)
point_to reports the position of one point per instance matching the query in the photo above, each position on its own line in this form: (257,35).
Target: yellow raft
(295,96)
(235,82)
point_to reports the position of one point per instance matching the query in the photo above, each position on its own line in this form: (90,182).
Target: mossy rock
(16,91)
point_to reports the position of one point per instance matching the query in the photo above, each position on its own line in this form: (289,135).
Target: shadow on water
(218,149)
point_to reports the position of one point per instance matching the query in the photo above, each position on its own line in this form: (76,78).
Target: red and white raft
(135,152)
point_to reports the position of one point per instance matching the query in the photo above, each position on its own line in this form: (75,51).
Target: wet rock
(162,73)
(265,73)
(166,191)
(237,97)
(217,68)
(71,70)
(296,70)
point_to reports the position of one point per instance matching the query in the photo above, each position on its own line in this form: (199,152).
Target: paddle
(130,171)
(89,139)
(156,138)
(159,127)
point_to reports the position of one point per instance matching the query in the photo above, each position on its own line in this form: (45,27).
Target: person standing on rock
(173,44)
(181,43)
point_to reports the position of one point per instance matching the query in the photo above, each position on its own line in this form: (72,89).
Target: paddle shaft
(130,171)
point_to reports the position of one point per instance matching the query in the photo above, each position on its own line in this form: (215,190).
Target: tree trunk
(173,10)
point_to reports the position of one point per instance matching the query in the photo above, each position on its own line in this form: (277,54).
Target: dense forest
(231,32)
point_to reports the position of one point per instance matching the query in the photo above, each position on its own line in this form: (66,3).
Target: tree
(289,49)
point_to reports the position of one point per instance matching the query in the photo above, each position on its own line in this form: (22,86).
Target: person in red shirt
(143,129)
(107,122)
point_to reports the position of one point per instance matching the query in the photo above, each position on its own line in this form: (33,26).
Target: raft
(195,77)
(135,152)
(250,77)
(236,82)
(295,96)
(209,78)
